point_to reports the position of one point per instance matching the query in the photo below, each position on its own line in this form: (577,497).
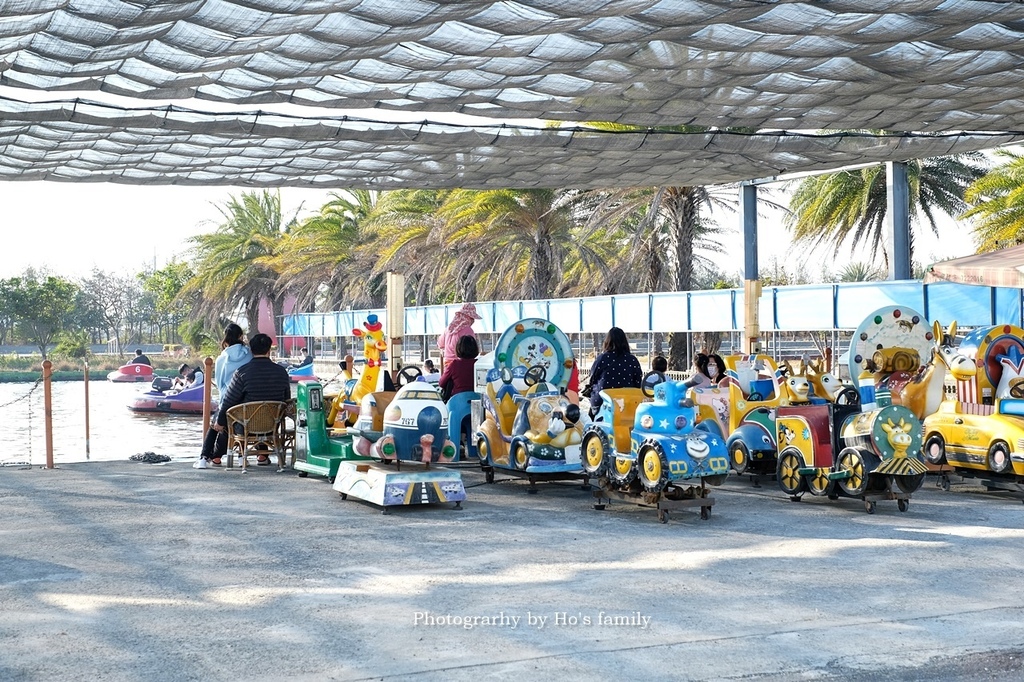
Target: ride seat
(624,401)
(506,409)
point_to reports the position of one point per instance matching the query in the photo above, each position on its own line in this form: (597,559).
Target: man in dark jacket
(140,359)
(260,379)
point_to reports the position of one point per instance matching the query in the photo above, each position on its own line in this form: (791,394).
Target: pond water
(115,431)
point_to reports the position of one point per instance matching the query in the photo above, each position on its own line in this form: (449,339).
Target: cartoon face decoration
(696,447)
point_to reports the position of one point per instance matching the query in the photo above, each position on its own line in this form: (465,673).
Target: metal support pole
(751,277)
(48,412)
(897,219)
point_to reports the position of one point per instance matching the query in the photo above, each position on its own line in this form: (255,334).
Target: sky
(71,228)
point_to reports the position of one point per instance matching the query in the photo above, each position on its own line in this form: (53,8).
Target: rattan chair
(287,435)
(255,429)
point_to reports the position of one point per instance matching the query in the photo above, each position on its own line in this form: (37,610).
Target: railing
(813,307)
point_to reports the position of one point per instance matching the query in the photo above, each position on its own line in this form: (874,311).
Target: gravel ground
(130,571)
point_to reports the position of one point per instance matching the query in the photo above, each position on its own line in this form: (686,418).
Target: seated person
(307,359)
(430,373)
(188,377)
(459,374)
(659,364)
(261,379)
(140,359)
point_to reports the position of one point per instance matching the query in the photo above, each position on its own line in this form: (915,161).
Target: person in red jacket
(459,376)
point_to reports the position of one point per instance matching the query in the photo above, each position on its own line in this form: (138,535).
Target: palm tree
(998,203)
(235,264)
(318,258)
(405,233)
(851,205)
(512,243)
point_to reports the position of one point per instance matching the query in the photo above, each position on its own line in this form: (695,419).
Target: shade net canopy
(1002,268)
(913,65)
(951,69)
(79,141)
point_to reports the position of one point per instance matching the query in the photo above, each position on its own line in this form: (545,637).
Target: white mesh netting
(80,141)
(917,65)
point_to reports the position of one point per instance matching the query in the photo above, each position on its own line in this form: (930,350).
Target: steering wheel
(848,396)
(407,375)
(755,397)
(650,380)
(1017,390)
(535,375)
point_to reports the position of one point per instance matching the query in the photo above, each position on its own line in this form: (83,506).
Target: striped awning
(1003,268)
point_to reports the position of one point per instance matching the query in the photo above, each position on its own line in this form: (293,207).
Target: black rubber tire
(909,484)
(737,450)
(998,459)
(652,466)
(595,442)
(935,449)
(790,480)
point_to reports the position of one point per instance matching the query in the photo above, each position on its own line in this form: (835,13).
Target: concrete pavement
(128,571)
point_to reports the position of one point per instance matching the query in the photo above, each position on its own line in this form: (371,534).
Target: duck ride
(131,373)
(162,398)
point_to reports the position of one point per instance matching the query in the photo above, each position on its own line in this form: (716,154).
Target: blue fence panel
(435,320)
(806,307)
(856,300)
(970,306)
(415,321)
(765,310)
(670,312)
(632,312)
(535,309)
(597,314)
(711,310)
(506,313)
(1008,306)
(295,325)
(565,313)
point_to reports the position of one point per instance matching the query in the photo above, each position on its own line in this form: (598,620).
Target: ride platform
(399,485)
(326,461)
(535,477)
(691,498)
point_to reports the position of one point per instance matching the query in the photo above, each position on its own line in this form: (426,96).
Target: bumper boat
(160,398)
(300,373)
(131,373)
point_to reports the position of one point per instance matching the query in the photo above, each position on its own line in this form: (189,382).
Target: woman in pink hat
(461,325)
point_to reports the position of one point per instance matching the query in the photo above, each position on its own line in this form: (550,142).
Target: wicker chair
(287,434)
(255,429)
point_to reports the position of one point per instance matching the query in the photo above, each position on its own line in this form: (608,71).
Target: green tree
(164,286)
(318,257)
(41,307)
(234,266)
(997,203)
(849,207)
(116,299)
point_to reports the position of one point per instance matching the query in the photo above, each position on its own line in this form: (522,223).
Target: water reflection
(115,431)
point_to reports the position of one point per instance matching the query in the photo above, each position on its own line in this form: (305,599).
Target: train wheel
(520,457)
(935,449)
(788,471)
(483,449)
(653,467)
(909,484)
(622,471)
(819,484)
(999,458)
(851,460)
(739,457)
(595,452)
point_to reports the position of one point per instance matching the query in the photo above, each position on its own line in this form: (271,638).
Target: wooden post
(48,412)
(207,385)
(87,409)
